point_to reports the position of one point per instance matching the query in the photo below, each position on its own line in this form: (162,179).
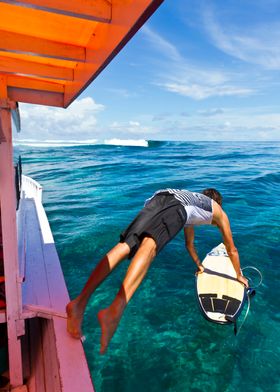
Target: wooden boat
(50,51)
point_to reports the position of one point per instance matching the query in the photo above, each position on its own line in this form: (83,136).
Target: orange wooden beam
(37,97)
(97,10)
(12,42)
(18,66)
(47,25)
(38,84)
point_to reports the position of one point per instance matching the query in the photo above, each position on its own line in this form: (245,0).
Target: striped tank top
(199,208)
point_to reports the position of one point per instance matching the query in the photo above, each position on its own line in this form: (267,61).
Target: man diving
(163,216)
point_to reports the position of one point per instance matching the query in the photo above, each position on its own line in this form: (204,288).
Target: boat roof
(51,50)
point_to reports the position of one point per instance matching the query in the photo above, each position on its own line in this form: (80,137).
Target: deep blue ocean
(92,192)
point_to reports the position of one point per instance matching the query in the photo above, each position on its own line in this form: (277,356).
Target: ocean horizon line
(120,142)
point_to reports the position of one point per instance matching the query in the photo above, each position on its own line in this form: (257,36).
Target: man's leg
(109,318)
(76,308)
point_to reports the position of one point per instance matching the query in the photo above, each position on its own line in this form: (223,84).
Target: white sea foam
(75,143)
(127,142)
(54,143)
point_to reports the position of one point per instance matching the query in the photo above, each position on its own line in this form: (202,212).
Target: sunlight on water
(163,343)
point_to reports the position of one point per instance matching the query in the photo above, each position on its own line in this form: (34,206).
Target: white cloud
(78,121)
(199,91)
(255,123)
(160,44)
(189,79)
(256,44)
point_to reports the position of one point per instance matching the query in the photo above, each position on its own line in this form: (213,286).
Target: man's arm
(221,220)
(189,242)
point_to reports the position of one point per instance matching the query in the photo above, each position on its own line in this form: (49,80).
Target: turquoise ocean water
(163,343)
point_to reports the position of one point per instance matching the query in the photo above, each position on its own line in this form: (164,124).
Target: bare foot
(109,320)
(74,319)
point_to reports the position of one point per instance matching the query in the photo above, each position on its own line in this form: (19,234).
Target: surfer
(162,217)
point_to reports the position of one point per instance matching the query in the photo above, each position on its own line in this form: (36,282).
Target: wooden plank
(35,289)
(97,10)
(58,293)
(12,65)
(37,97)
(13,42)
(36,381)
(58,63)
(71,356)
(57,288)
(44,312)
(35,84)
(51,367)
(25,344)
(46,25)
(9,235)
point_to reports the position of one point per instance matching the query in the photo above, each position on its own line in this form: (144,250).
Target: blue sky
(197,70)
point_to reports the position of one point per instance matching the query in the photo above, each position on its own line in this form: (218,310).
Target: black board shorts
(161,219)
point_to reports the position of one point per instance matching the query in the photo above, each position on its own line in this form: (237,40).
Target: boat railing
(31,188)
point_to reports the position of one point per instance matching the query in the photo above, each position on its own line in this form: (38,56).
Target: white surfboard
(220,295)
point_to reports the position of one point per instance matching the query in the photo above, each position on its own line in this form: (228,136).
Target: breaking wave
(77,143)
(127,142)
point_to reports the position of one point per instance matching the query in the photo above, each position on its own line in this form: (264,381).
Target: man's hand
(200,269)
(243,280)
